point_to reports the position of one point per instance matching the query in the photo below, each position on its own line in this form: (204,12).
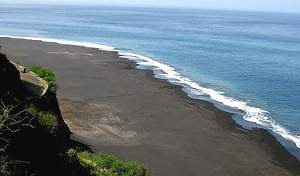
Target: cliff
(32,129)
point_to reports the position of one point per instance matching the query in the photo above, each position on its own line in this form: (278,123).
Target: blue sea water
(245,62)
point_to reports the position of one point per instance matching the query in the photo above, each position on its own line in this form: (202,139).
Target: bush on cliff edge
(46,74)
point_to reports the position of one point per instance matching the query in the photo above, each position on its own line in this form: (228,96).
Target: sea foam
(66,42)
(251,114)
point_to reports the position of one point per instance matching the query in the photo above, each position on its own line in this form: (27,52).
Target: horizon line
(152,6)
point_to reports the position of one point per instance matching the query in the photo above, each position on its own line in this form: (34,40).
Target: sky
(249,5)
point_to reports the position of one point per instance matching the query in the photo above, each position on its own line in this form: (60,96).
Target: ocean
(247,63)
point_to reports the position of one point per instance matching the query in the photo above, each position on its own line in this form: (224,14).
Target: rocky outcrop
(19,67)
(34,84)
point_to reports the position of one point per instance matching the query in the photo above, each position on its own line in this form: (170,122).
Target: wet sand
(118,109)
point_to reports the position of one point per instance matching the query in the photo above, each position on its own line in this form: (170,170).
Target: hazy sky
(253,5)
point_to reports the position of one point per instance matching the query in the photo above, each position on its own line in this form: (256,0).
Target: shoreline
(238,108)
(127,134)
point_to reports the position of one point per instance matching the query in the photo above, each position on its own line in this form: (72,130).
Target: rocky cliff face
(35,146)
(9,78)
(22,89)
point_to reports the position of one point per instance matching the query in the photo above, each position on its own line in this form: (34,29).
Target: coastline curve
(251,114)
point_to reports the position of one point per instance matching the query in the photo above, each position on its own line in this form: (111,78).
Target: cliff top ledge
(34,84)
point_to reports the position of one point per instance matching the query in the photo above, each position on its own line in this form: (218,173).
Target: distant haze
(252,5)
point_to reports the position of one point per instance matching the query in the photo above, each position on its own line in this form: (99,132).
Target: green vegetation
(107,165)
(47,120)
(32,110)
(46,74)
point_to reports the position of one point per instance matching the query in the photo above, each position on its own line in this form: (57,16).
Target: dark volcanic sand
(114,107)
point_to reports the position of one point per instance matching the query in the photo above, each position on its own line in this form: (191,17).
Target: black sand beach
(118,109)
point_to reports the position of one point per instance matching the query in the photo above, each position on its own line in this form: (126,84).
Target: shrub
(32,110)
(104,164)
(46,74)
(49,121)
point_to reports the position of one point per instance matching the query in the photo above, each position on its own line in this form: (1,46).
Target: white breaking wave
(66,42)
(252,114)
